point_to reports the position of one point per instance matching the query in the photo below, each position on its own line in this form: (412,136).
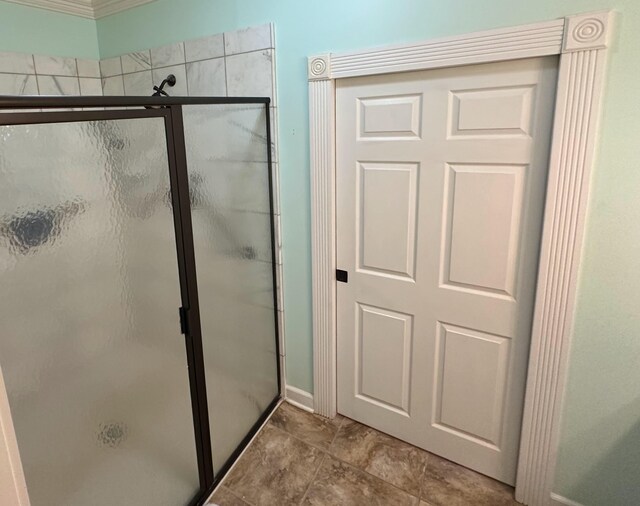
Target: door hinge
(342,276)
(184,322)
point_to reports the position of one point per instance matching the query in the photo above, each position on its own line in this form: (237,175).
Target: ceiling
(92,9)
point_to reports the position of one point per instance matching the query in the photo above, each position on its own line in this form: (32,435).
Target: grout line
(424,472)
(246,449)
(238,497)
(20,73)
(331,455)
(164,66)
(247,52)
(338,431)
(40,74)
(201,59)
(34,73)
(232,492)
(224,53)
(57,76)
(205,59)
(313,479)
(150,60)
(186,76)
(136,72)
(35,68)
(75,61)
(298,438)
(373,476)
(328,452)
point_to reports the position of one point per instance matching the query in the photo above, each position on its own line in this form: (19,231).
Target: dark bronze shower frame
(170,109)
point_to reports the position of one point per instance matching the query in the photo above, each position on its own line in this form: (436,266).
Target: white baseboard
(299,398)
(558,500)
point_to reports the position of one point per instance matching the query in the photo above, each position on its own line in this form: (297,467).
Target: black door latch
(184,326)
(342,276)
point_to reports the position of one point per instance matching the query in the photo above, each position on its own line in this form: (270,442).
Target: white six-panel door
(440,192)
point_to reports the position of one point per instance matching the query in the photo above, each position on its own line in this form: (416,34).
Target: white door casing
(581,41)
(441,178)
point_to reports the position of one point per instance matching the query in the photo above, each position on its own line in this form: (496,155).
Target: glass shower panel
(90,346)
(229,185)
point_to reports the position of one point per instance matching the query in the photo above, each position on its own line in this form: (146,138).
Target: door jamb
(581,41)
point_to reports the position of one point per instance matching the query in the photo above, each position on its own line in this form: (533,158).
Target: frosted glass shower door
(90,344)
(227,161)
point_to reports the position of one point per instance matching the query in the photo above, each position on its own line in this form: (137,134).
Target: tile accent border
(581,41)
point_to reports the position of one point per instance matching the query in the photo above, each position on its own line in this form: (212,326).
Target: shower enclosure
(138,328)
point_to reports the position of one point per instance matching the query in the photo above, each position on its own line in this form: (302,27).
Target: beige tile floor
(303,459)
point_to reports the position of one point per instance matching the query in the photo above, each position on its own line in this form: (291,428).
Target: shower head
(159,90)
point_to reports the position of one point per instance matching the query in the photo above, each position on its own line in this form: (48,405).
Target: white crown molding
(81,8)
(102,8)
(581,42)
(92,9)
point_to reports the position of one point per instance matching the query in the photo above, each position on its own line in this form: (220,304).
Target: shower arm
(159,90)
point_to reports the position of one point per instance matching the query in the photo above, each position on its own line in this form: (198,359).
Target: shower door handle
(184,325)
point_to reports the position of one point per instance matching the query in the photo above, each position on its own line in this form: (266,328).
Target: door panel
(492,111)
(387,219)
(469,388)
(383,363)
(390,117)
(482,209)
(440,178)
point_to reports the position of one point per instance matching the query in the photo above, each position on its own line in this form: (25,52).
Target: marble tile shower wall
(231,64)
(28,74)
(239,63)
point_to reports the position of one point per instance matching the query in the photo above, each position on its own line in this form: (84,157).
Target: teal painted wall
(600,443)
(38,31)
(599,462)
